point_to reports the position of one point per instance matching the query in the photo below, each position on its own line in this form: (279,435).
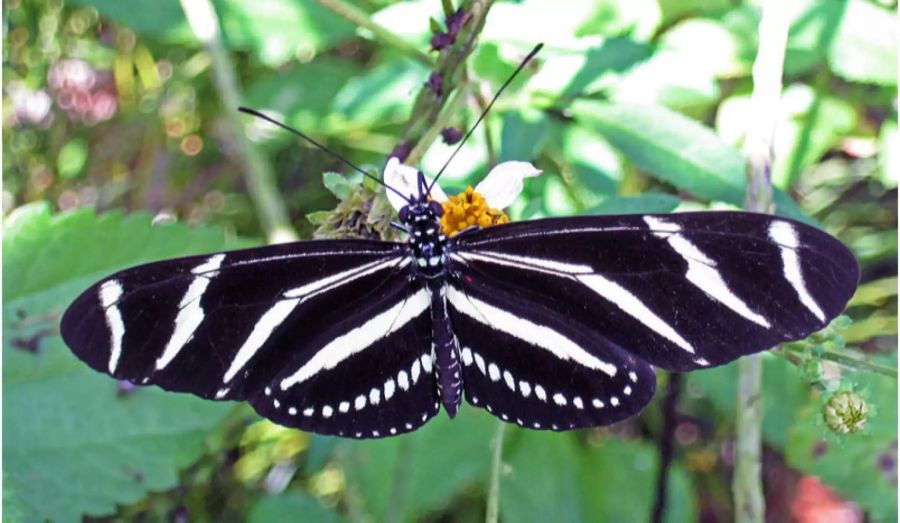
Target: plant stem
(361,18)
(849,361)
(258,173)
(431,133)
(666,444)
(749,501)
(493,501)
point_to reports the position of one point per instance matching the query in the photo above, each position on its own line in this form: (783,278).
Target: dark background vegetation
(112,116)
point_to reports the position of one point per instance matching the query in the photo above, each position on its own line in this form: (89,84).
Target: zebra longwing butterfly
(550,324)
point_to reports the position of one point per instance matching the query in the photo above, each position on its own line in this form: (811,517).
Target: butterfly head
(422,218)
(420,209)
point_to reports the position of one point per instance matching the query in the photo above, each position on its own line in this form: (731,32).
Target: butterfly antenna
(333,154)
(486,110)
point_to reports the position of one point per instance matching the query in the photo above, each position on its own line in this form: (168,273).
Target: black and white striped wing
(527,364)
(679,291)
(289,328)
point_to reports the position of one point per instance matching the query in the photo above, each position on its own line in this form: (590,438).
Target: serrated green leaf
(551,478)
(677,150)
(641,204)
(862,465)
(72,445)
(412,475)
(670,147)
(291,506)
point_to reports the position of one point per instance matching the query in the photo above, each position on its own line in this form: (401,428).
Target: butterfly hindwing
(366,378)
(527,364)
(680,291)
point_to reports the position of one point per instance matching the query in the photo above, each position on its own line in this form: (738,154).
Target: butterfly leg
(446,348)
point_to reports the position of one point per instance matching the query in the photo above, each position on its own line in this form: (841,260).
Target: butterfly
(552,324)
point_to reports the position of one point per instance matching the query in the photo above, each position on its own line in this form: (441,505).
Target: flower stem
(426,121)
(749,501)
(431,133)
(493,501)
(258,172)
(361,18)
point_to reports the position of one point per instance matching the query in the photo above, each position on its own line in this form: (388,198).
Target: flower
(846,412)
(482,206)
(451,135)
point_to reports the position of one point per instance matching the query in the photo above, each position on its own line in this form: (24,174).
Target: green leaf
(614,55)
(811,34)
(865,47)
(676,150)
(413,475)
(277,31)
(641,204)
(291,506)
(639,18)
(523,136)
(720,48)
(341,186)
(694,88)
(381,95)
(73,445)
(861,466)
(670,147)
(304,94)
(552,478)
(594,161)
(164,21)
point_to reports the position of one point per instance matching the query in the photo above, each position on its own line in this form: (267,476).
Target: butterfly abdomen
(445,350)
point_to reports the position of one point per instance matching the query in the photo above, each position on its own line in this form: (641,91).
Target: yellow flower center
(468,209)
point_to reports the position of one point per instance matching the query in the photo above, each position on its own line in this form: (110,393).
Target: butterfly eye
(404,213)
(436,208)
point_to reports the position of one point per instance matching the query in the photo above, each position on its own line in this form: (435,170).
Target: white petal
(504,183)
(403,178)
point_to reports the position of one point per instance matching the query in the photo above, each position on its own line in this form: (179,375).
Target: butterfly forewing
(224,325)
(680,291)
(527,364)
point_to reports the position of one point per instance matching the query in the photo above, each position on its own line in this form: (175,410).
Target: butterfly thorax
(426,239)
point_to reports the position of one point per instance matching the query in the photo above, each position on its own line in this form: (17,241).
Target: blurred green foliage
(112,118)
